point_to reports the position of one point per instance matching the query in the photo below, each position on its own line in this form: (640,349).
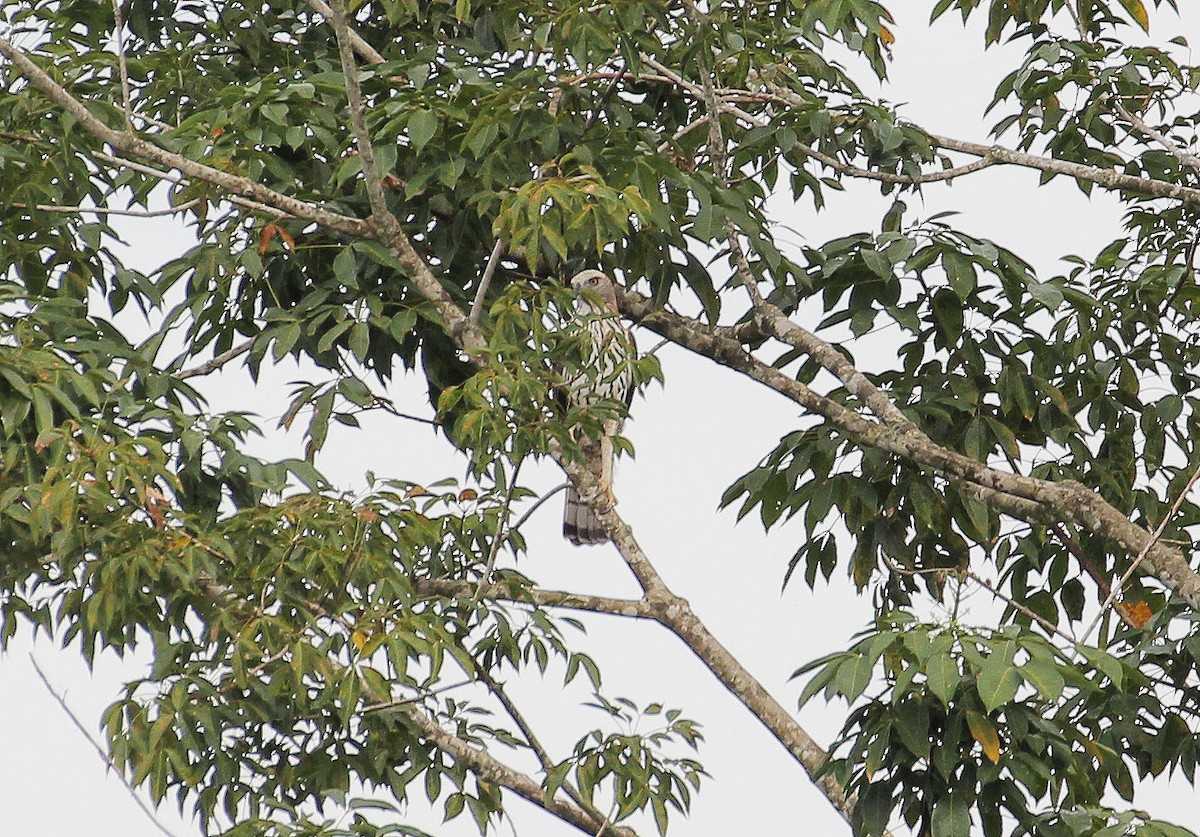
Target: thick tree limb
(1023,497)
(674,613)
(143,150)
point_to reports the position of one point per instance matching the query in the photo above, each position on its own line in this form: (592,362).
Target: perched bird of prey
(605,373)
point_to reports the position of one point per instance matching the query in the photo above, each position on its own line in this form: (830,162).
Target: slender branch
(501,535)
(539,750)
(122,65)
(1119,587)
(488,272)
(358,110)
(217,362)
(489,768)
(540,502)
(717,156)
(102,210)
(1015,605)
(62,702)
(1180,154)
(367,52)
(632,608)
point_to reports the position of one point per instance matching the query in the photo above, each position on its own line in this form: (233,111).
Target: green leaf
(941,671)
(951,817)
(422,125)
(998,681)
(854,675)
(1045,677)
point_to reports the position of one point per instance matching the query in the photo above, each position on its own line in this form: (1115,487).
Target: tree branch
(367,52)
(633,608)
(62,702)
(141,149)
(122,65)
(1109,178)
(675,614)
(1026,498)
(386,230)
(487,767)
(217,362)
(102,210)
(543,756)
(366,151)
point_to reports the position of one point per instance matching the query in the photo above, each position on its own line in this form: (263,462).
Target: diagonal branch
(492,770)
(62,702)
(217,362)
(1026,498)
(141,149)
(387,230)
(675,613)
(1181,154)
(358,119)
(539,750)
(367,52)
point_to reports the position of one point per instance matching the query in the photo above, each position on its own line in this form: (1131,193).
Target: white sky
(52,783)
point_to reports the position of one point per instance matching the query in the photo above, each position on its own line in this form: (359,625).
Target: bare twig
(70,713)
(501,535)
(631,608)
(122,66)
(217,362)
(102,210)
(488,272)
(1182,155)
(1015,605)
(539,750)
(540,502)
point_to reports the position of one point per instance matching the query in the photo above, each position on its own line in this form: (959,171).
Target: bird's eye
(592,280)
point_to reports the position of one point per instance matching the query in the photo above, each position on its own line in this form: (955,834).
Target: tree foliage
(406,186)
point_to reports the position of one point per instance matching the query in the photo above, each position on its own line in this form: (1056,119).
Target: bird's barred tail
(580,524)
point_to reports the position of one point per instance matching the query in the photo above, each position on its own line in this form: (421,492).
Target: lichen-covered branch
(1024,497)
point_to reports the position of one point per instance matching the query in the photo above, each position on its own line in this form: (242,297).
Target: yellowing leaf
(1137,11)
(359,639)
(984,731)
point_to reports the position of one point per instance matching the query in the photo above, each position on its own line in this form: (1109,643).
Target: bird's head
(594,292)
